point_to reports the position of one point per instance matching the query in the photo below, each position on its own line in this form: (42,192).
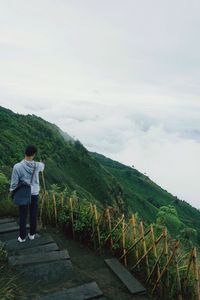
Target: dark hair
(30,150)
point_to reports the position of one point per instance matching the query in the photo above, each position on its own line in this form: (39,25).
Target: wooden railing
(151,253)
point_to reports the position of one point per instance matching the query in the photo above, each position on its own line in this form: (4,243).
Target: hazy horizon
(121,76)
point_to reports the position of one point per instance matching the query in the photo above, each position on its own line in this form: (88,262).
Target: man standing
(28,171)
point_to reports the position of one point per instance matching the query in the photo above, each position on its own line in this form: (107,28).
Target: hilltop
(93,176)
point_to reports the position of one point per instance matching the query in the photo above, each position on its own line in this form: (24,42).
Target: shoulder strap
(33,173)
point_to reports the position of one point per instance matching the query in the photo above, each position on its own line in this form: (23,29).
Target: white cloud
(159,142)
(123,77)
(163,143)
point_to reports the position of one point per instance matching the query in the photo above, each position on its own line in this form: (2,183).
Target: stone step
(8,227)
(7,220)
(9,235)
(132,284)
(54,273)
(9,230)
(83,292)
(38,249)
(13,244)
(38,258)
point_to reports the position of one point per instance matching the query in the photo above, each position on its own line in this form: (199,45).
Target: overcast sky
(121,76)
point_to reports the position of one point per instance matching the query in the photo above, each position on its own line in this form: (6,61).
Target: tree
(167,216)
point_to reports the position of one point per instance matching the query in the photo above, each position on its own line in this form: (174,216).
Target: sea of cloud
(162,141)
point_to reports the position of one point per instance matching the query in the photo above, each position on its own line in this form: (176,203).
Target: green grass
(145,197)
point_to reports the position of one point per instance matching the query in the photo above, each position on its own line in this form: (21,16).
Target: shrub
(4,184)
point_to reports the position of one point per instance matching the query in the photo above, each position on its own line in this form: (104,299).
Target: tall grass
(9,282)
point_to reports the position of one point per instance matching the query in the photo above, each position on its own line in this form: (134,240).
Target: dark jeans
(23,212)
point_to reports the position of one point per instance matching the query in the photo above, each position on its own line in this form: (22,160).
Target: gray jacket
(23,171)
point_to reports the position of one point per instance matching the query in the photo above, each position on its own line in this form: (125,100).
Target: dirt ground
(90,266)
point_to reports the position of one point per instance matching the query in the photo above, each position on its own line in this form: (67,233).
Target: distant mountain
(94,176)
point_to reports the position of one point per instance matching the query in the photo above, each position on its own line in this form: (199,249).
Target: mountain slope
(92,175)
(145,196)
(68,163)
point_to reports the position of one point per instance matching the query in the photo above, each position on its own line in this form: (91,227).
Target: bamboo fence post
(135,244)
(153,240)
(98,222)
(154,248)
(110,227)
(144,246)
(97,226)
(189,263)
(166,266)
(147,252)
(72,216)
(45,191)
(119,237)
(199,272)
(113,229)
(62,200)
(190,258)
(48,206)
(155,265)
(55,208)
(43,181)
(166,254)
(196,277)
(93,229)
(179,289)
(41,208)
(133,222)
(124,242)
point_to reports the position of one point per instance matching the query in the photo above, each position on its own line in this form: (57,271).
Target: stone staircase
(50,271)
(42,262)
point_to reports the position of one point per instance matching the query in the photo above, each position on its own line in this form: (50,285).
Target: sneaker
(21,240)
(31,237)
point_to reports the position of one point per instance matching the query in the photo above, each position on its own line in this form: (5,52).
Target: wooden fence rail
(135,244)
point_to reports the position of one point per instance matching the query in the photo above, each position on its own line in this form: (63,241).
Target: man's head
(30,151)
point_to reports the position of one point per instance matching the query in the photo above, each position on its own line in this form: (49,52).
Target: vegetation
(138,246)
(94,177)
(67,163)
(78,181)
(4,185)
(145,197)
(9,283)
(167,216)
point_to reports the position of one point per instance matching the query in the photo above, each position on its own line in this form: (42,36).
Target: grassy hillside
(67,162)
(92,175)
(146,197)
